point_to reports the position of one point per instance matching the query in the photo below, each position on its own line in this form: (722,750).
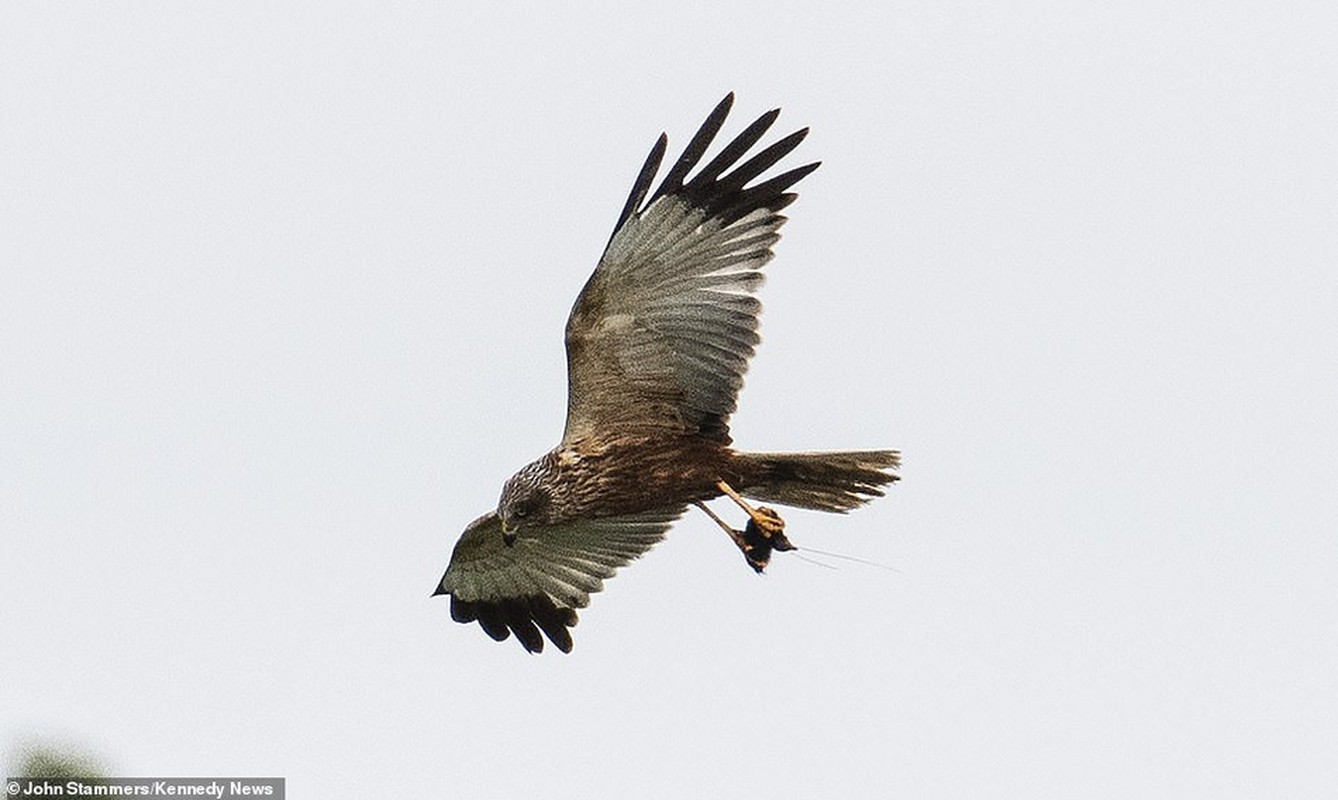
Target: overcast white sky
(281,300)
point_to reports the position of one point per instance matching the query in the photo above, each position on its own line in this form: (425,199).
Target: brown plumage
(657,344)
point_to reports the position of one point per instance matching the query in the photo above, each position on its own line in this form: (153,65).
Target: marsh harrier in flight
(657,345)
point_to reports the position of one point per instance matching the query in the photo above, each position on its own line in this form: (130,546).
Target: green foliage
(54,761)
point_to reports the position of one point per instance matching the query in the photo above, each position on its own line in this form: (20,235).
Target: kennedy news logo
(215,788)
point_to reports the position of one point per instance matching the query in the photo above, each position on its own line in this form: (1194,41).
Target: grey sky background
(281,300)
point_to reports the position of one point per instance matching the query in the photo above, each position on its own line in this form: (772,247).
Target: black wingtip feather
(462,611)
(735,149)
(522,625)
(493,624)
(525,617)
(554,621)
(696,148)
(761,162)
(730,197)
(771,194)
(643,182)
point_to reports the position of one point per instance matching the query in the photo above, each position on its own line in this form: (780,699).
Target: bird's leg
(767,521)
(734,533)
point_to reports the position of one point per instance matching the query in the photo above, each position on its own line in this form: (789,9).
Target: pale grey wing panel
(676,321)
(538,583)
(661,335)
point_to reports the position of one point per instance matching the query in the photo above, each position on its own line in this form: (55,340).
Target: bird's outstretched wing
(537,583)
(661,334)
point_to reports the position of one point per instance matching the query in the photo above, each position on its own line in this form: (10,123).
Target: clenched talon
(766,521)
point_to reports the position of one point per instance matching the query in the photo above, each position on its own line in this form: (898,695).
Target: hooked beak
(509,534)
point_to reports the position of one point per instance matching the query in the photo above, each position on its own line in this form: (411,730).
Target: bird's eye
(521,512)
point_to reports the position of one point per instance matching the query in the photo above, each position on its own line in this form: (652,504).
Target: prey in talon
(758,544)
(757,540)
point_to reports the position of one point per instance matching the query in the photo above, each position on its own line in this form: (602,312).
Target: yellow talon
(768,522)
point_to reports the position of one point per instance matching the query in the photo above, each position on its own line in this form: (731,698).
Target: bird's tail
(822,481)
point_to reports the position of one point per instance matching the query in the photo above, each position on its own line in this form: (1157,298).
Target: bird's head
(525,501)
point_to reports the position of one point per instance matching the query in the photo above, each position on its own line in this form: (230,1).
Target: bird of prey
(657,344)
